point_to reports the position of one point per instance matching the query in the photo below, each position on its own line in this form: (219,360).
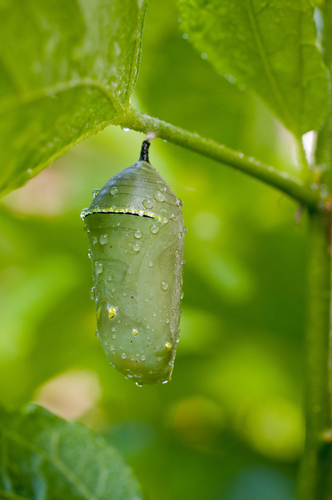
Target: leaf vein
(55,461)
(267,67)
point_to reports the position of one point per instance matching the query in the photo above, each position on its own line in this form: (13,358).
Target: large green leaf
(45,457)
(67,68)
(268,47)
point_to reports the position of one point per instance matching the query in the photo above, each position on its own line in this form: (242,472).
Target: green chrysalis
(136,237)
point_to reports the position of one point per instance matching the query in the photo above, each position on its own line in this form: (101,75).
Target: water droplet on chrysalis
(147,203)
(164,285)
(98,267)
(158,196)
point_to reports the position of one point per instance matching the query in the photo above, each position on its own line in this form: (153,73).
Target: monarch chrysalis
(136,237)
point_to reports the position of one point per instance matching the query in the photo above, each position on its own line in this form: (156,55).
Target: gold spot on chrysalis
(111,312)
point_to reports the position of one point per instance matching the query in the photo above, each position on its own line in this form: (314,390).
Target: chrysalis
(136,238)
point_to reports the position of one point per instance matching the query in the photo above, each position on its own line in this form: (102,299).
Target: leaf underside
(43,457)
(267,47)
(67,68)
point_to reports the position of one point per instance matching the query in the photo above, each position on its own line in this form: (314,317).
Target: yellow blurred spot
(168,345)
(316,175)
(134,332)
(111,312)
(98,313)
(276,429)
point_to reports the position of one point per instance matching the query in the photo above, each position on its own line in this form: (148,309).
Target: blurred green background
(230,424)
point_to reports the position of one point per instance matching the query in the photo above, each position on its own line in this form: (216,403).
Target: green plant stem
(291,185)
(313,481)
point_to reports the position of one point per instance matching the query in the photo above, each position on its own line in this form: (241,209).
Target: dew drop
(158,196)
(136,247)
(154,229)
(134,332)
(168,345)
(95,193)
(114,191)
(94,240)
(164,285)
(147,203)
(98,267)
(103,239)
(143,358)
(97,333)
(138,234)
(123,356)
(92,293)
(150,264)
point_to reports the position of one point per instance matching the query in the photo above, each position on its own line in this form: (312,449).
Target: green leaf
(268,47)
(67,69)
(43,456)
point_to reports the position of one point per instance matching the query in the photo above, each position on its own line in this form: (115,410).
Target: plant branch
(287,183)
(315,468)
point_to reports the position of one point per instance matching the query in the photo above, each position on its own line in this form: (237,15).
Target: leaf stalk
(307,195)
